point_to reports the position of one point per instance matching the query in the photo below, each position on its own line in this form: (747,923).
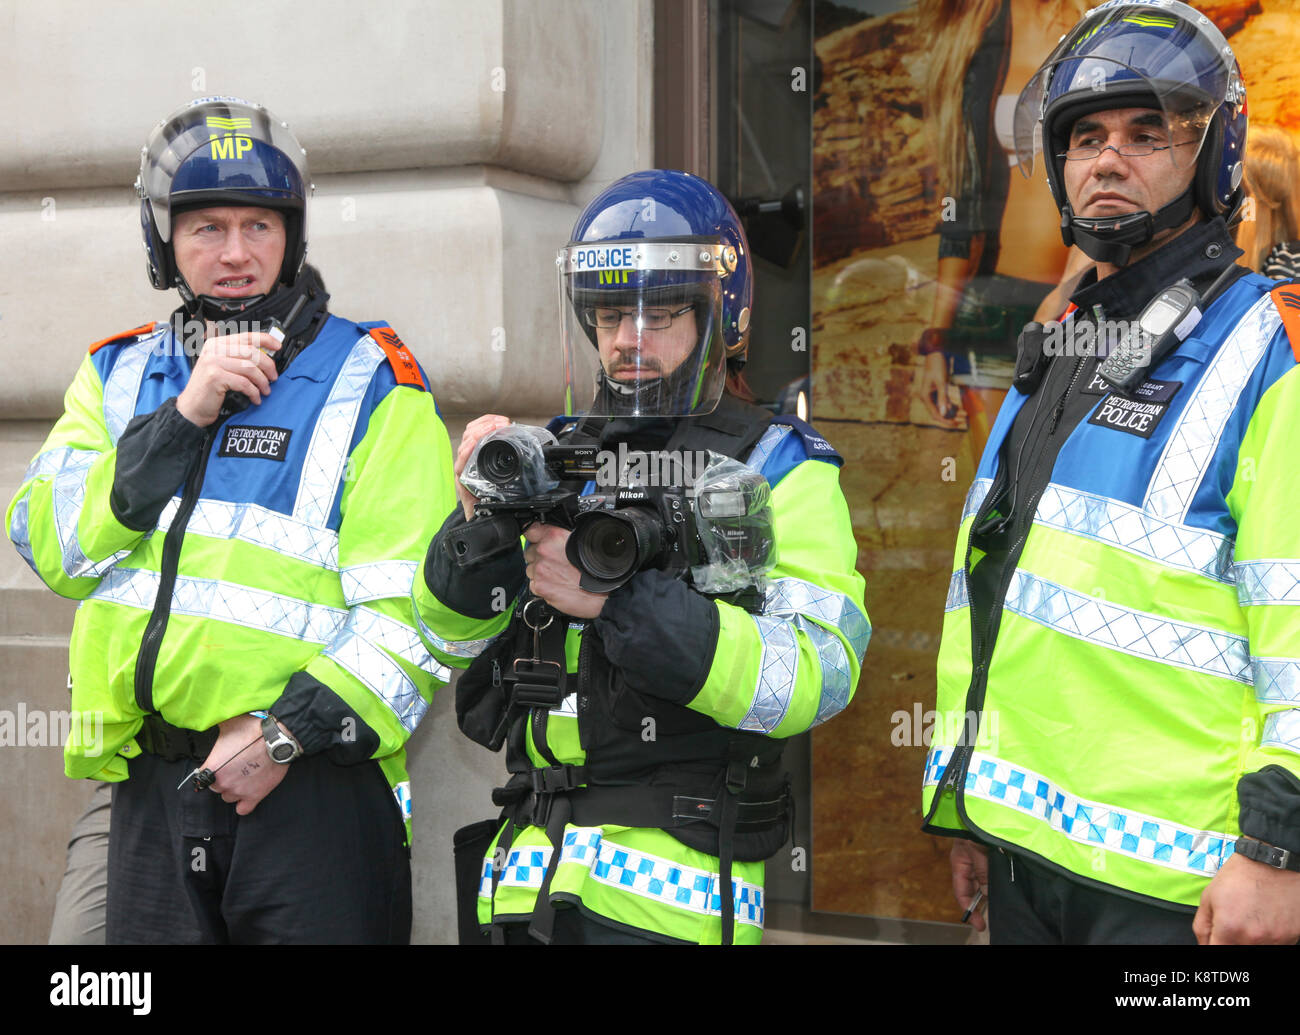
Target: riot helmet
(655,292)
(1162,55)
(221,151)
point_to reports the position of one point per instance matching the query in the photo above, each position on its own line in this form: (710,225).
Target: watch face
(282,753)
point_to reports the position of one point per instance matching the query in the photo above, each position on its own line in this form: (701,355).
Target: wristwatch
(1269,855)
(280,745)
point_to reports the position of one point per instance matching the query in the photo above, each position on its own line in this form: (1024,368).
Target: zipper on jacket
(147,660)
(954,772)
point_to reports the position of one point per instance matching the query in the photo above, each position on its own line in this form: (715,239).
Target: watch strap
(1269,855)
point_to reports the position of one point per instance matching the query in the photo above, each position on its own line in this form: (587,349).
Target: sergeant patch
(243,440)
(1137,416)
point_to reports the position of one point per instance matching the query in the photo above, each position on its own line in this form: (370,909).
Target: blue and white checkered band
(123,385)
(1128,527)
(1134,632)
(225,602)
(402,794)
(957,596)
(767,445)
(456,648)
(975,497)
(1277,680)
(1193,442)
(1282,730)
(327,453)
(638,873)
(1123,831)
(1267,582)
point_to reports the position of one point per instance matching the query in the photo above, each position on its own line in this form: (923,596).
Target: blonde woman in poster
(1270,233)
(1000,250)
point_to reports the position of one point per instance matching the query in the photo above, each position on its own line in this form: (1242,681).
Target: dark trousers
(1030,904)
(320,860)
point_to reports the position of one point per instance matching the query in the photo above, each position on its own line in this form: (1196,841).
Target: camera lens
(499,462)
(611,546)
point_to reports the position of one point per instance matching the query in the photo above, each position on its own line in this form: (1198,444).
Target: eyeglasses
(1084,154)
(608,317)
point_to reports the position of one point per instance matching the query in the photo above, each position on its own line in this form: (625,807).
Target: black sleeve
(661,634)
(472,592)
(321,720)
(154,454)
(1270,807)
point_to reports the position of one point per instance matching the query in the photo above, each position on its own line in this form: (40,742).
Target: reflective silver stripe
(377,581)
(1277,680)
(123,385)
(1188,452)
(258,526)
(68,491)
(1267,582)
(975,497)
(397,638)
(836,675)
(777,673)
(789,596)
(457,649)
(1282,729)
(327,453)
(1121,524)
(1093,823)
(52,462)
(957,597)
(1143,635)
(226,602)
(772,437)
(353,651)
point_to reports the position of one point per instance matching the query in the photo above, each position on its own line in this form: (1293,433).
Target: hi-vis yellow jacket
(1146,667)
(273,571)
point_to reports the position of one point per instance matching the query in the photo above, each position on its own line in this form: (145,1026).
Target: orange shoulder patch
(399,356)
(135,332)
(1287,299)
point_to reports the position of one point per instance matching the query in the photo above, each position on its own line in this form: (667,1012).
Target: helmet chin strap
(249,308)
(1111,239)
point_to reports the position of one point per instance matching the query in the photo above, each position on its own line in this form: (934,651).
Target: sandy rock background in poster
(879,193)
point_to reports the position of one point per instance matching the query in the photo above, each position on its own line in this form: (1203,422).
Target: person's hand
(553,578)
(1249,903)
(932,388)
(474,431)
(231,363)
(970,873)
(250,774)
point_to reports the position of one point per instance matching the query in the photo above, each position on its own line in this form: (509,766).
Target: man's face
(229,252)
(629,354)
(1114,185)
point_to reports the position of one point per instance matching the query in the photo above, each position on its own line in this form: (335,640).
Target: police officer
(220,493)
(1121,651)
(645,777)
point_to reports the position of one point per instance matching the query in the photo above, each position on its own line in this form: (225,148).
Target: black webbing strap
(501,852)
(542,926)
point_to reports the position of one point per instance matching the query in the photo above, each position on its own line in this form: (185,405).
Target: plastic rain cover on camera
(1125,55)
(641,325)
(733,518)
(509,464)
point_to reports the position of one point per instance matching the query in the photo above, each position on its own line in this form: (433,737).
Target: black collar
(1199,254)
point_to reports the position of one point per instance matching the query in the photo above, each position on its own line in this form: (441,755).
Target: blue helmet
(1163,55)
(668,205)
(218,151)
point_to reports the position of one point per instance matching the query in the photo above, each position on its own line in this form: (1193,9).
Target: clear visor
(641,326)
(1174,129)
(1133,53)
